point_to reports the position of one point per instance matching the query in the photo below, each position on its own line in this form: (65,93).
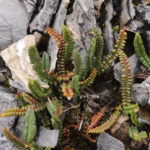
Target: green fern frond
(15,140)
(136,135)
(29,130)
(134,119)
(75,85)
(130,108)
(89,80)
(108,123)
(140,51)
(36,62)
(69,43)
(78,64)
(45,62)
(37,91)
(14,112)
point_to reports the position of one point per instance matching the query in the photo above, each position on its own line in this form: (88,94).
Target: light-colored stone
(13,22)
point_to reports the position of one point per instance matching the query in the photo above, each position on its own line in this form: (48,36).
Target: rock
(148,40)
(7,100)
(81,21)
(127,12)
(13,25)
(107,142)
(30,6)
(59,21)
(133,60)
(2,78)
(135,25)
(45,16)
(143,12)
(107,32)
(144,117)
(17,59)
(140,94)
(48,137)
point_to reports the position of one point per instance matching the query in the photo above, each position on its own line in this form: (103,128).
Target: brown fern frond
(97,117)
(120,43)
(67,90)
(89,80)
(15,140)
(14,112)
(60,65)
(108,123)
(65,77)
(39,107)
(28,98)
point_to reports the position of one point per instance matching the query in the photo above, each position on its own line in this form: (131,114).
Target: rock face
(13,22)
(107,142)
(7,101)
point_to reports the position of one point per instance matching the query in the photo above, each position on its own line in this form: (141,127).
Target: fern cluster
(70,77)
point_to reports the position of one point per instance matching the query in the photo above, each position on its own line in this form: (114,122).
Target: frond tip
(15,140)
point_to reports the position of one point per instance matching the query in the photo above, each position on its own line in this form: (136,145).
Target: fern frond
(108,123)
(45,62)
(15,140)
(67,90)
(75,85)
(136,135)
(29,130)
(134,119)
(36,62)
(96,118)
(69,43)
(65,77)
(126,78)
(14,112)
(37,91)
(27,98)
(89,80)
(60,64)
(121,40)
(78,64)
(39,107)
(130,108)
(140,51)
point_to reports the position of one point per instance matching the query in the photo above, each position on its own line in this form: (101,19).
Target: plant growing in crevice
(70,77)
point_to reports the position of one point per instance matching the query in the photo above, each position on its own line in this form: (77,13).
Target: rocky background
(19,18)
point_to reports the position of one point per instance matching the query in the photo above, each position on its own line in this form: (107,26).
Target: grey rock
(140,94)
(133,60)
(44,17)
(19,127)
(143,12)
(30,6)
(2,78)
(7,100)
(59,21)
(148,40)
(48,137)
(144,119)
(13,24)
(135,25)
(107,32)
(107,142)
(127,12)
(81,21)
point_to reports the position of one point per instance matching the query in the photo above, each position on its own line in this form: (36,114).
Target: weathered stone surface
(133,62)
(59,21)
(45,15)
(17,59)
(30,6)
(135,25)
(13,24)
(143,12)
(140,94)
(107,142)
(144,117)
(127,12)
(81,21)
(7,100)
(107,32)
(48,137)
